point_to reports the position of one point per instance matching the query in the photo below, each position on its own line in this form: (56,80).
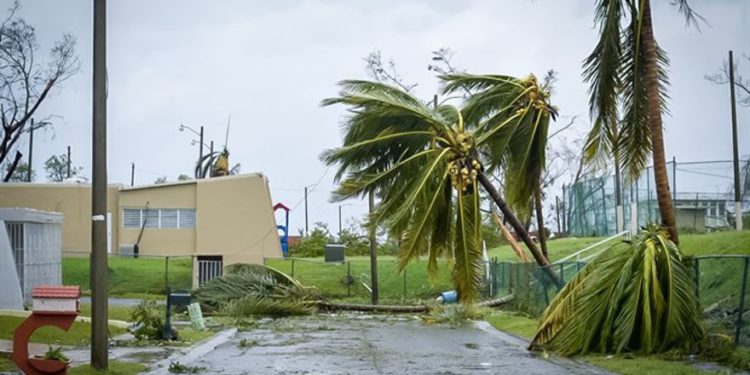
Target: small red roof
(56,291)
(281,205)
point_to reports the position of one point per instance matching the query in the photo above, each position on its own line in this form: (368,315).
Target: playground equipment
(285,228)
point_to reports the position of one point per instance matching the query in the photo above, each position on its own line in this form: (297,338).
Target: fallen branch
(403,309)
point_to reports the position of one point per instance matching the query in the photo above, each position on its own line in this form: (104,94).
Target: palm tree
(426,163)
(627,71)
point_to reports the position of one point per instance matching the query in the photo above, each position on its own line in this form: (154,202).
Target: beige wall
(156,241)
(234,216)
(235,219)
(72,200)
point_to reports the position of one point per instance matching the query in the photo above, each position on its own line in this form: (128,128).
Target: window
(131,218)
(164,218)
(187,218)
(169,218)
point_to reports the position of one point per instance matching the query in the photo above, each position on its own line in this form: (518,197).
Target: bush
(148,316)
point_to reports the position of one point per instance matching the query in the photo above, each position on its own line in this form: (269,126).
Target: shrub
(148,316)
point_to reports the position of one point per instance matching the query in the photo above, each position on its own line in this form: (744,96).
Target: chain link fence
(351,280)
(702,193)
(721,286)
(132,277)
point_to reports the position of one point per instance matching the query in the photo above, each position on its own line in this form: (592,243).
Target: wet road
(363,344)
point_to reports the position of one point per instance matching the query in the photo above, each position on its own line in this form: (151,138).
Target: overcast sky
(268,64)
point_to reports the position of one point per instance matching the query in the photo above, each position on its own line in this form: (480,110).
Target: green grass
(330,279)
(114,312)
(115,368)
(78,335)
(730,242)
(513,322)
(638,365)
(129,277)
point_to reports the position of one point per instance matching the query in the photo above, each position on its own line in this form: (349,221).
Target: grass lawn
(115,312)
(331,279)
(129,277)
(78,335)
(115,368)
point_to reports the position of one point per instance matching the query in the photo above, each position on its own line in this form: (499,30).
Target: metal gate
(209,268)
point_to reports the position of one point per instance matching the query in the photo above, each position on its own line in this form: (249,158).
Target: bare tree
(743,84)
(385,72)
(24,82)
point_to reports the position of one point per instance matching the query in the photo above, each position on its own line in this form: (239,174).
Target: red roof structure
(56,291)
(282,206)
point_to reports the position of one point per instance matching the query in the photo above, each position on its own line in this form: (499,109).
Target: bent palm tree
(633,297)
(628,68)
(426,164)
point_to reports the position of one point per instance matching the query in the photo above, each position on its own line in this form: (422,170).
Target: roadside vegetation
(78,335)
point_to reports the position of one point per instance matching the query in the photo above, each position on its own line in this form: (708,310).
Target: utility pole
(339,223)
(200,147)
(373,254)
(68,162)
(306,227)
(735,149)
(132,173)
(98,271)
(31,149)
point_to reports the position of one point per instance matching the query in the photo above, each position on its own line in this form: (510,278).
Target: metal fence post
(166,273)
(697,280)
(405,282)
(742,302)
(349,278)
(292,267)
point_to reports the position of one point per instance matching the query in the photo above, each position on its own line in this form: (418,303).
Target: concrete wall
(71,200)
(156,241)
(235,217)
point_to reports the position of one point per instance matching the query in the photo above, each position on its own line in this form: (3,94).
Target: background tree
(160,180)
(19,174)
(24,82)
(183,177)
(743,84)
(627,69)
(56,168)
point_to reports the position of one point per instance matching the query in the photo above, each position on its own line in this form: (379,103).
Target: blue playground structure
(285,228)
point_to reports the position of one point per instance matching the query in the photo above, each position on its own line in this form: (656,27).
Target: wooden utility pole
(735,149)
(31,150)
(68,163)
(132,174)
(98,271)
(373,255)
(306,227)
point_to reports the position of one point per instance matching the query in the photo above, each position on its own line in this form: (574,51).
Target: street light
(200,134)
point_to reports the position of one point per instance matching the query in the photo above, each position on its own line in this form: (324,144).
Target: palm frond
(633,297)
(691,16)
(601,69)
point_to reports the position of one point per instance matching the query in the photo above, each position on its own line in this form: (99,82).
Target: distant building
(217,221)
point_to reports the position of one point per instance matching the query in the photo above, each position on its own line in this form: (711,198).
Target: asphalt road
(376,344)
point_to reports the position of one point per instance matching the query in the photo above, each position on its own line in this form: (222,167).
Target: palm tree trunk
(663,195)
(540,222)
(519,229)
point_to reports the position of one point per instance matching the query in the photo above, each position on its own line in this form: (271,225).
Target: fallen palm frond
(637,296)
(509,237)
(256,290)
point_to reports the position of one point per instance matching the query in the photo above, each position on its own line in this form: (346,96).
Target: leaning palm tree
(427,163)
(627,71)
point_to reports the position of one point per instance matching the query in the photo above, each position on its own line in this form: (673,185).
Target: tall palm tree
(426,163)
(627,71)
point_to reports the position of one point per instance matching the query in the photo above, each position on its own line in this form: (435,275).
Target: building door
(209,268)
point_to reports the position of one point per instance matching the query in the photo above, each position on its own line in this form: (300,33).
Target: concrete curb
(189,355)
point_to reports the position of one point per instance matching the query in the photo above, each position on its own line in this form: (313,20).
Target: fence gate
(209,268)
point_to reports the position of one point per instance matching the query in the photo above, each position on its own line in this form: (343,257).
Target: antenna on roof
(226,140)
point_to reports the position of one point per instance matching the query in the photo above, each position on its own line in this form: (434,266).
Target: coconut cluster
(464,168)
